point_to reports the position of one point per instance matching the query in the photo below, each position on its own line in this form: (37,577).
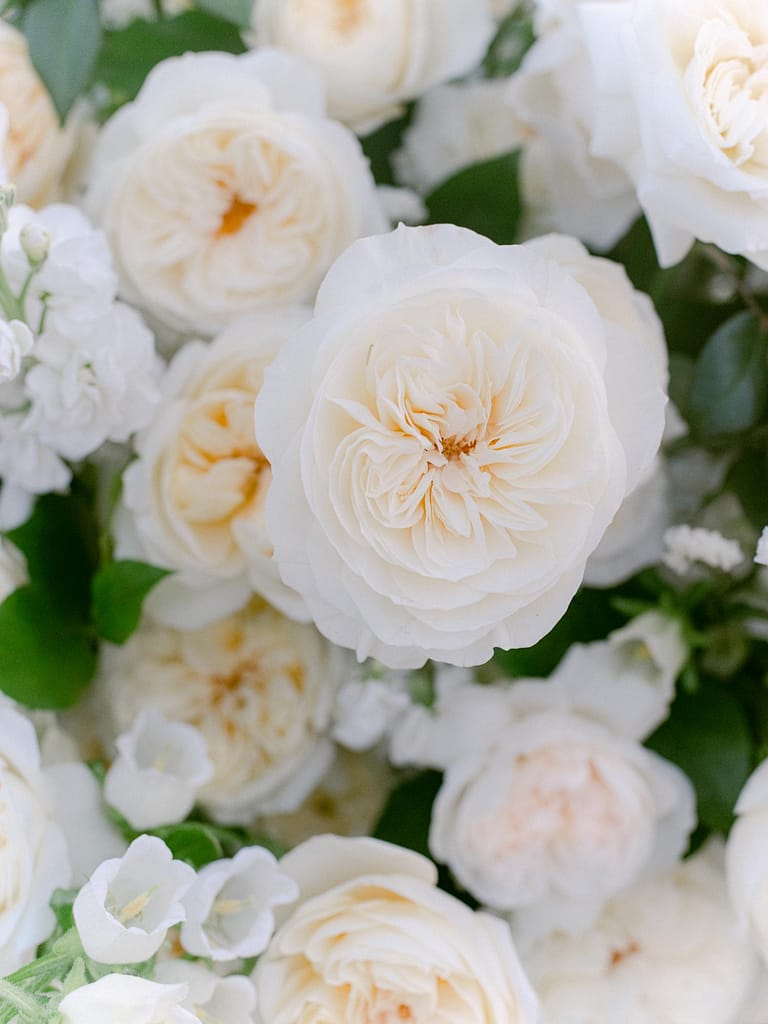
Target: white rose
(16,341)
(13,569)
(694,136)
(667,951)
(373,939)
(566,188)
(34,147)
(33,853)
(556,815)
(124,999)
(449,439)
(223,189)
(258,687)
(374,55)
(747,857)
(194,498)
(454,126)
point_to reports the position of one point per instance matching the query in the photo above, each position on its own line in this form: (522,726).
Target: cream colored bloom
(375,54)
(193,501)
(667,951)
(223,189)
(450,437)
(694,135)
(33,146)
(257,686)
(373,939)
(747,857)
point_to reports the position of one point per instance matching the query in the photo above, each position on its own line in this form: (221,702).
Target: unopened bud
(35,241)
(7,197)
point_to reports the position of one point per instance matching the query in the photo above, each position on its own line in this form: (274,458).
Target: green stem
(20,1000)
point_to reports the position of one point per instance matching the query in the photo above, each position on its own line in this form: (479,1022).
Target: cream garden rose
(374,54)
(33,147)
(193,500)
(372,939)
(694,137)
(450,437)
(223,189)
(256,685)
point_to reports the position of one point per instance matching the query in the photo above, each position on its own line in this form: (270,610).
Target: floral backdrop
(383,545)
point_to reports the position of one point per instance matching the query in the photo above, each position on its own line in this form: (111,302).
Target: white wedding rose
(565,187)
(125,999)
(33,146)
(375,54)
(694,136)
(34,860)
(746,857)
(450,437)
(454,126)
(667,951)
(223,189)
(193,500)
(259,688)
(373,939)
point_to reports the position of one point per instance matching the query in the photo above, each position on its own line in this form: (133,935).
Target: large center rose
(446,451)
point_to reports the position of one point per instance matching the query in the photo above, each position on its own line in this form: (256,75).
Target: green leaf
(729,389)
(61,905)
(510,44)
(64,37)
(129,54)
(236,11)
(746,478)
(591,615)
(379,146)
(58,541)
(484,197)
(48,654)
(707,735)
(118,592)
(405,819)
(193,842)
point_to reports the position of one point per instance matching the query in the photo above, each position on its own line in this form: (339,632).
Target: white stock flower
(375,54)
(450,437)
(258,687)
(667,951)
(229,907)
(223,188)
(686,545)
(33,147)
(373,939)
(368,705)
(13,569)
(125,999)
(565,187)
(761,554)
(193,501)
(16,341)
(123,912)
(215,1000)
(159,769)
(454,126)
(694,140)
(33,853)
(746,857)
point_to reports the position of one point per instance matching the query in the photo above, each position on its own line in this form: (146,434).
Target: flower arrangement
(383,531)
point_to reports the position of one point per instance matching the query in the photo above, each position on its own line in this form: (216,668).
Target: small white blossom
(124,999)
(16,341)
(123,913)
(229,907)
(13,569)
(367,707)
(761,555)
(215,1000)
(158,771)
(687,544)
